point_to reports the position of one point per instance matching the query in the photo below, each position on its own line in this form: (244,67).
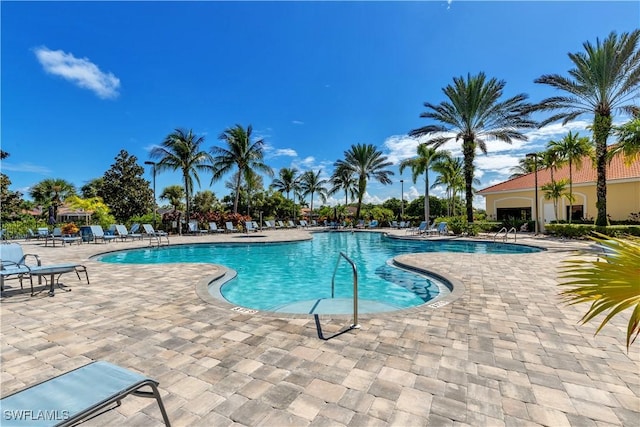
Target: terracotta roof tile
(617,169)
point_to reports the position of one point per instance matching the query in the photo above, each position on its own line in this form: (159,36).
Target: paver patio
(506,352)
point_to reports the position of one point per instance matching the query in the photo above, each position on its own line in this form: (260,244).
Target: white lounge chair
(157,235)
(248,226)
(194,228)
(125,235)
(230,228)
(98,234)
(213,228)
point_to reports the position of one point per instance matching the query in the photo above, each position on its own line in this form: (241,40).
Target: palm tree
(473,114)
(311,183)
(628,140)
(366,162)
(450,174)
(181,150)
(554,190)
(525,166)
(241,153)
(610,283)
(174,195)
(52,192)
(288,181)
(551,159)
(343,179)
(572,148)
(420,165)
(605,78)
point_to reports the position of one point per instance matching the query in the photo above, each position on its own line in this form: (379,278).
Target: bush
(584,230)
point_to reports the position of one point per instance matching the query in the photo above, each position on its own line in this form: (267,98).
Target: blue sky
(83,80)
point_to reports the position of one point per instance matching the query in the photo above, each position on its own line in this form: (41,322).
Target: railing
(506,234)
(355,287)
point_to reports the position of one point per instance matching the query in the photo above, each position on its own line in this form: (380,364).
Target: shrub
(583,230)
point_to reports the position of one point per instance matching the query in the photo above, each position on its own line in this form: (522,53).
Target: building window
(513,213)
(577,212)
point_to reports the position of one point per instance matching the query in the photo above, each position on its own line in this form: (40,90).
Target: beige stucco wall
(623,198)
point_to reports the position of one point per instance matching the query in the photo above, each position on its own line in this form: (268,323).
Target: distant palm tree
(241,153)
(450,172)
(420,165)
(52,192)
(288,181)
(310,184)
(343,179)
(605,77)
(473,114)
(628,140)
(366,162)
(552,160)
(174,195)
(554,190)
(181,150)
(526,165)
(572,148)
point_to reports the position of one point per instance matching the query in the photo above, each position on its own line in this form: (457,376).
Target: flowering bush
(70,228)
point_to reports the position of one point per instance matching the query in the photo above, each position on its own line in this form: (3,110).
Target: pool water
(274,275)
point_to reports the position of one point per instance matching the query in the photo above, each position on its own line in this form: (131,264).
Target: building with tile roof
(515,198)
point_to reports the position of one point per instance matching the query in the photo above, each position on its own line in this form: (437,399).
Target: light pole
(402,200)
(535,177)
(154,190)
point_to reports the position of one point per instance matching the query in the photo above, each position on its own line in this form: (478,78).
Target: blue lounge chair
(420,229)
(373,223)
(230,228)
(155,235)
(14,263)
(268,225)
(98,234)
(125,235)
(248,226)
(77,396)
(213,228)
(194,228)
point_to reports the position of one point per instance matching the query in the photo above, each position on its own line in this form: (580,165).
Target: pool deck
(504,351)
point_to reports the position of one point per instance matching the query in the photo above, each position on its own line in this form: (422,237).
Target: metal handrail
(355,286)
(495,236)
(515,234)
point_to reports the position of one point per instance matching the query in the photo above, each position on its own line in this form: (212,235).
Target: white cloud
(372,199)
(297,122)
(284,152)
(412,193)
(400,147)
(79,71)
(25,167)
(499,163)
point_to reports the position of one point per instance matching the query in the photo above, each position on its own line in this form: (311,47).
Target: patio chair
(256,226)
(78,396)
(248,226)
(213,228)
(58,236)
(303,223)
(194,228)
(157,235)
(230,228)
(291,224)
(373,223)
(280,224)
(420,229)
(125,235)
(43,232)
(440,229)
(30,235)
(13,262)
(268,225)
(99,234)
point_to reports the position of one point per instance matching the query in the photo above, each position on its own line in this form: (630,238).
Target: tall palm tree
(526,165)
(572,149)
(310,184)
(605,78)
(288,181)
(182,150)
(343,179)
(420,165)
(366,162)
(240,153)
(474,113)
(450,172)
(551,159)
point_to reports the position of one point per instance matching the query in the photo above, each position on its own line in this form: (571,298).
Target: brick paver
(504,350)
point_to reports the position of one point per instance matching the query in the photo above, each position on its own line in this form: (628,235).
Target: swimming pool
(281,276)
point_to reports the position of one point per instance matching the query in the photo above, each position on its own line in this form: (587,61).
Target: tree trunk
(426,196)
(601,129)
(362,186)
(237,198)
(570,192)
(468,151)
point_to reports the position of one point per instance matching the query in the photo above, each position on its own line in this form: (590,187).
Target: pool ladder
(506,234)
(355,324)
